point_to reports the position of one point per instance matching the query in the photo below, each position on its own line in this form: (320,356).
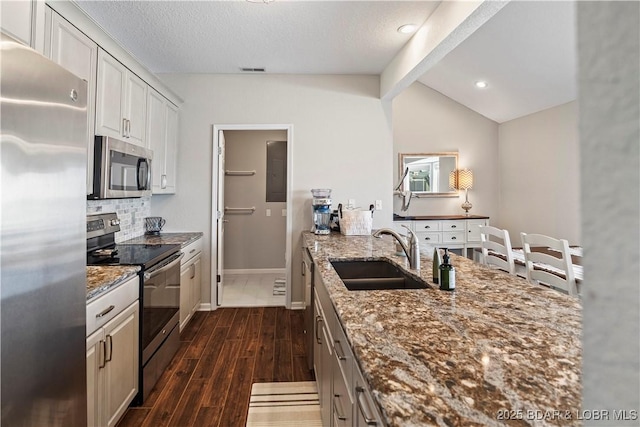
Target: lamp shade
(465,179)
(453,180)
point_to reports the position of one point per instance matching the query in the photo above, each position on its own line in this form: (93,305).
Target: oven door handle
(155,271)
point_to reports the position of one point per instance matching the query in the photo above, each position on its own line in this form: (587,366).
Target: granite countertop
(497,351)
(183,239)
(101,279)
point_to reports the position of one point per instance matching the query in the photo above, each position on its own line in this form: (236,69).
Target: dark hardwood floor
(223,352)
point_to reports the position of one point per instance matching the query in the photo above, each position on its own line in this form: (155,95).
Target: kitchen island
(497,351)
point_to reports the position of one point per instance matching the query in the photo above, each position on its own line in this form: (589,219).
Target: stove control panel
(102,224)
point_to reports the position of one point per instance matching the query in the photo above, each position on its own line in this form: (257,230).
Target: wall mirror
(428,174)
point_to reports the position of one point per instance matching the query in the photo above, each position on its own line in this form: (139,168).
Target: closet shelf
(239,173)
(248,211)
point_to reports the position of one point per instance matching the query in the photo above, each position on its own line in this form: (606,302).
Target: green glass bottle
(447,274)
(436,265)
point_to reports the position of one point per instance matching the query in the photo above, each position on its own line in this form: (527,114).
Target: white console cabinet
(453,232)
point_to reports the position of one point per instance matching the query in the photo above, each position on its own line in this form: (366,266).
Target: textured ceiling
(526,52)
(299,37)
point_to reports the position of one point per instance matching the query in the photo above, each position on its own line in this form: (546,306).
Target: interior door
(221,220)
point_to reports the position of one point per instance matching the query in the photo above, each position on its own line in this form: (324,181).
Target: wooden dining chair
(545,267)
(496,248)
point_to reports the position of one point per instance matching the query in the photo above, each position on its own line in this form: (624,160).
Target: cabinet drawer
(428,226)
(109,305)
(344,356)
(191,250)
(429,238)
(453,237)
(453,226)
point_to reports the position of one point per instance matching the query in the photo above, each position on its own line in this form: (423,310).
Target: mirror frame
(405,182)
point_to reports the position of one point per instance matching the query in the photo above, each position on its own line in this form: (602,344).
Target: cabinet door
(121,372)
(110,95)
(135,110)
(185,294)
(70,48)
(17,18)
(171,151)
(95,364)
(156,136)
(473,229)
(196,284)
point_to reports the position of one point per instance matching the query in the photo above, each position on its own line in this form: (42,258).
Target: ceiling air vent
(252,70)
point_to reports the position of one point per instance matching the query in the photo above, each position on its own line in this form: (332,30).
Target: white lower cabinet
(190,282)
(345,399)
(112,355)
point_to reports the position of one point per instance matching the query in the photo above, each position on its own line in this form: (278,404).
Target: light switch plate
(284,212)
(378,205)
(351,203)
(268,212)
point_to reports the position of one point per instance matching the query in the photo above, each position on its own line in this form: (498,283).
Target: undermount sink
(375,275)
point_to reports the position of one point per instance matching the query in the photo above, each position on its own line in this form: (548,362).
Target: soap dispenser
(447,273)
(436,265)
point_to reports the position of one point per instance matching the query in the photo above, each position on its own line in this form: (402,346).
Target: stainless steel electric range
(159,293)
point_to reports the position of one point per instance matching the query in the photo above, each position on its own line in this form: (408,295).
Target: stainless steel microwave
(120,169)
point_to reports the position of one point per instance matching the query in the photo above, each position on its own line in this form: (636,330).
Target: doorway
(251,245)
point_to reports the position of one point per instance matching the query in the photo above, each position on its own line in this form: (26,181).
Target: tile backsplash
(131,212)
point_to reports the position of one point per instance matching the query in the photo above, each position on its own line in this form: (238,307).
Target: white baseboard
(204,306)
(297,305)
(255,271)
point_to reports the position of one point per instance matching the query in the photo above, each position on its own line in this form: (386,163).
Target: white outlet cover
(284,212)
(378,205)
(351,203)
(268,212)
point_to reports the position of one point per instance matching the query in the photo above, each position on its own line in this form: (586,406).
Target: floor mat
(284,404)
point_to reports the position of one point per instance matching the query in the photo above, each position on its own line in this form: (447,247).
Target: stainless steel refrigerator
(42,241)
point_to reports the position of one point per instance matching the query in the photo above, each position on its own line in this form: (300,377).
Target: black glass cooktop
(142,255)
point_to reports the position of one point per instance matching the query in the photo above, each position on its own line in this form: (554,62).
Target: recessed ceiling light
(407,28)
(480,84)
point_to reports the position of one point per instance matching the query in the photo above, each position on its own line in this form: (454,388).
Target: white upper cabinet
(170,169)
(121,101)
(162,134)
(136,109)
(24,21)
(69,47)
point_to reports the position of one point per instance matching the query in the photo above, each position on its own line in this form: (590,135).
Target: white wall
(341,140)
(426,121)
(540,174)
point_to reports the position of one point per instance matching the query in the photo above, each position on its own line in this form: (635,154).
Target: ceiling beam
(448,26)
